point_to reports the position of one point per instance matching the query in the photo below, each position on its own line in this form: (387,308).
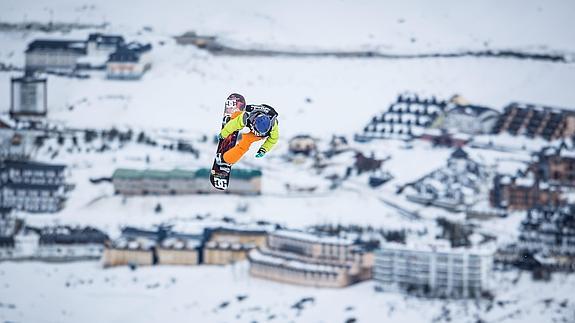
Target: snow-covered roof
(439,246)
(257,255)
(309,237)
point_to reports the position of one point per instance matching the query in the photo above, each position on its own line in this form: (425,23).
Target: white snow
(182,95)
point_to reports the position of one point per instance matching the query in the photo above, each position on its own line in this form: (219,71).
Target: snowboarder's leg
(233,155)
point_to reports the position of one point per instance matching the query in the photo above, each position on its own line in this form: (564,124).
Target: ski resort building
(470,119)
(433,269)
(555,165)
(404,119)
(176,182)
(101,44)
(302,144)
(523,193)
(52,243)
(121,60)
(129,62)
(549,230)
(306,259)
(455,187)
(32,186)
(65,243)
(29,97)
(230,245)
(536,121)
(54,55)
(162,246)
(15,144)
(179,251)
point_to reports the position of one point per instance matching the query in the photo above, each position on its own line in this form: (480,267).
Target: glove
(261,153)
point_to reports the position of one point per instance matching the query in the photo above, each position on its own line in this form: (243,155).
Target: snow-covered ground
(84,292)
(182,96)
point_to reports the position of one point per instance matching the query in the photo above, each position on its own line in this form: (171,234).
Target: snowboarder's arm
(233,125)
(272,138)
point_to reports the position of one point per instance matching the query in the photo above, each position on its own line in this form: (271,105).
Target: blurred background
(425,170)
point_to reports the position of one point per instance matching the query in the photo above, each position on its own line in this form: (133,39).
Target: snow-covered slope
(182,96)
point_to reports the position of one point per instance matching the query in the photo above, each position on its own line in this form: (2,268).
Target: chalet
(302,144)
(16,144)
(536,121)
(54,54)
(433,269)
(443,138)
(162,246)
(307,259)
(134,251)
(101,44)
(9,227)
(176,182)
(454,187)
(470,119)
(32,186)
(555,165)
(223,253)
(229,245)
(523,193)
(65,243)
(179,251)
(28,97)
(404,119)
(549,230)
(129,62)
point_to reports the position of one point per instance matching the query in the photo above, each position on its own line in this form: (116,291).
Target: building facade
(306,259)
(99,44)
(134,252)
(230,245)
(179,251)
(32,186)
(65,243)
(433,270)
(470,119)
(176,182)
(522,193)
(404,119)
(455,187)
(536,121)
(29,97)
(16,144)
(302,144)
(163,246)
(549,231)
(50,55)
(129,62)
(555,165)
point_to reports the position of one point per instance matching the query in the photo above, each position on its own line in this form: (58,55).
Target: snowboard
(220,174)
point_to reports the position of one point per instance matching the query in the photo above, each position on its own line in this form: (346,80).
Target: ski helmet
(262,123)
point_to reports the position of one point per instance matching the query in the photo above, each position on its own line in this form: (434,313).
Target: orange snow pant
(233,155)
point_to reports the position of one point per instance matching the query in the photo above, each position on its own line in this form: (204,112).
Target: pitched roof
(459,153)
(76,46)
(106,39)
(32,165)
(129,53)
(125,173)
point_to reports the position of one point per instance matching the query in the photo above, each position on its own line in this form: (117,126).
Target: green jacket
(238,123)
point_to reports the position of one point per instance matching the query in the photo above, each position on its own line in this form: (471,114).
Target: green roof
(125,173)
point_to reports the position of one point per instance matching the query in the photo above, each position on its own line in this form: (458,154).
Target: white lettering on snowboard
(220,183)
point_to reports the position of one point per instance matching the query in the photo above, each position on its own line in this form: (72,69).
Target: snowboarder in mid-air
(263,124)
